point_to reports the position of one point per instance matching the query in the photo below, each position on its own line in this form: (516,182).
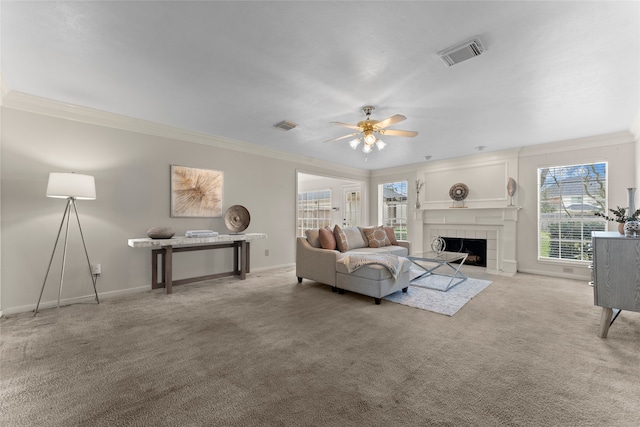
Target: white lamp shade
(63,185)
(369,138)
(354,143)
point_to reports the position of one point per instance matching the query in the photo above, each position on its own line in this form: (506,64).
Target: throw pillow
(377,237)
(327,239)
(341,239)
(313,237)
(355,237)
(391,235)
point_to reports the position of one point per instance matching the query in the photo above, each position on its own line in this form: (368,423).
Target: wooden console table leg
(163,268)
(154,268)
(168,263)
(248,254)
(243,260)
(236,259)
(605,321)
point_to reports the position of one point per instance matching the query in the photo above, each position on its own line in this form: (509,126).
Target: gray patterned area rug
(447,303)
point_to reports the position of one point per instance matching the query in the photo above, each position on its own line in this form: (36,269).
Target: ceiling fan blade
(394,132)
(347,125)
(389,121)
(343,137)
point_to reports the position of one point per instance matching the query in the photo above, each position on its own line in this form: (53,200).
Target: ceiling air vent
(461,52)
(285,125)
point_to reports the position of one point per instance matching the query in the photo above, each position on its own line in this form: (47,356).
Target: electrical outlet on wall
(96,269)
(266,252)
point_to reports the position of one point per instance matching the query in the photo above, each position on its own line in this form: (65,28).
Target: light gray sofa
(324,266)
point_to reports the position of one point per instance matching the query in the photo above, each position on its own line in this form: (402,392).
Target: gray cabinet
(616,275)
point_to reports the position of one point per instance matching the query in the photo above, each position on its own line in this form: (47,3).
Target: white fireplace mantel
(495,224)
(478,215)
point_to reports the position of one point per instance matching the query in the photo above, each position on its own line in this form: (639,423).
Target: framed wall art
(196,192)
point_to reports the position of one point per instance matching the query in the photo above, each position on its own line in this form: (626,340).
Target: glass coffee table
(426,261)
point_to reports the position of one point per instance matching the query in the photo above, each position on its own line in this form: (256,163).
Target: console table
(616,275)
(166,247)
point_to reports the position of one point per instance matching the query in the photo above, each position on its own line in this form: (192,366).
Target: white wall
(486,175)
(132,172)
(3,91)
(131,165)
(635,132)
(485,210)
(616,149)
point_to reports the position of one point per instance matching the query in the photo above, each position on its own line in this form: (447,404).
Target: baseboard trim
(105,295)
(76,300)
(274,267)
(556,274)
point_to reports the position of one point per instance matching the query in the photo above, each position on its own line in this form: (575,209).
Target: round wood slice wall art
(237,218)
(458,192)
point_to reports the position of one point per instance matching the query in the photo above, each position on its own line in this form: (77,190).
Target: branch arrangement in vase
(619,215)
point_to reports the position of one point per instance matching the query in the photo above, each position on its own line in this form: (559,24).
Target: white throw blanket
(355,260)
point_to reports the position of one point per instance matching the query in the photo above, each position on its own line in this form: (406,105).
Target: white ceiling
(553,70)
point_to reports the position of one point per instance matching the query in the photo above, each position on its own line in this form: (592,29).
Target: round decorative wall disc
(458,192)
(237,218)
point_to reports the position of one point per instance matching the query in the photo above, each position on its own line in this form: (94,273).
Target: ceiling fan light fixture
(354,143)
(369,138)
(368,130)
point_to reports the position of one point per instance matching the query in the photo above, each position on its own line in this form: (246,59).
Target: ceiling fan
(368,131)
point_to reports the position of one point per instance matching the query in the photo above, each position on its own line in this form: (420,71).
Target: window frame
(592,179)
(398,223)
(320,216)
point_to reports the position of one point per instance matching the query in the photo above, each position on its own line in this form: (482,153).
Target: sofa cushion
(356,237)
(327,239)
(372,271)
(377,237)
(313,237)
(394,250)
(349,238)
(391,235)
(341,239)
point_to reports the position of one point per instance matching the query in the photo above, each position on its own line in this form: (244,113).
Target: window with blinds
(568,198)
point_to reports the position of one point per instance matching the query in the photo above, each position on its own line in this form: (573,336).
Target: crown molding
(49,107)
(597,141)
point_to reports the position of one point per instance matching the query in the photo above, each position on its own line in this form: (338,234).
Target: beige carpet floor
(270,352)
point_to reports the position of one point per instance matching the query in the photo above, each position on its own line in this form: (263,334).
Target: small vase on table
(632,225)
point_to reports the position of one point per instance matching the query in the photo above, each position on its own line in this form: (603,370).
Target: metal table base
(441,259)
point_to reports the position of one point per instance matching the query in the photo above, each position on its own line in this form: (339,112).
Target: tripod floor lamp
(70,186)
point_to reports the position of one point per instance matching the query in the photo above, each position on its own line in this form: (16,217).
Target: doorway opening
(323,200)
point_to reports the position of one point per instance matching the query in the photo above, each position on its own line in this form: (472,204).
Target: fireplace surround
(476,248)
(496,225)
